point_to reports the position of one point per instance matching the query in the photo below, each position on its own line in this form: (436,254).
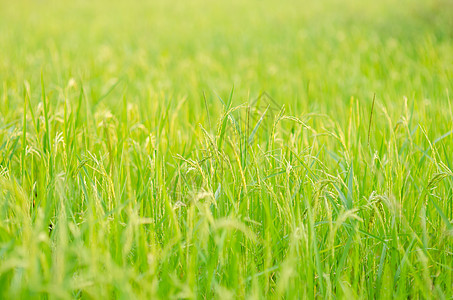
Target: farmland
(227,150)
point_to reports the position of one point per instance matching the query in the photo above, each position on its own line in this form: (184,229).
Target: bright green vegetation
(226,149)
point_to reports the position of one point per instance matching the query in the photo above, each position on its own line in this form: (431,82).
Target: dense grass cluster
(226,149)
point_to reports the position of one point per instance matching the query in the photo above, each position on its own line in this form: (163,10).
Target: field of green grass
(226,149)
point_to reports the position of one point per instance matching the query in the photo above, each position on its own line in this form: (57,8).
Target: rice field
(226,149)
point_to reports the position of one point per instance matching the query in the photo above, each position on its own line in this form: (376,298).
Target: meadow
(226,149)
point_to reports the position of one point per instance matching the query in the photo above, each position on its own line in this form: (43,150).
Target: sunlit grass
(241,149)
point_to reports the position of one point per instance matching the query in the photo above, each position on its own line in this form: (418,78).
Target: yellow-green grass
(226,149)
